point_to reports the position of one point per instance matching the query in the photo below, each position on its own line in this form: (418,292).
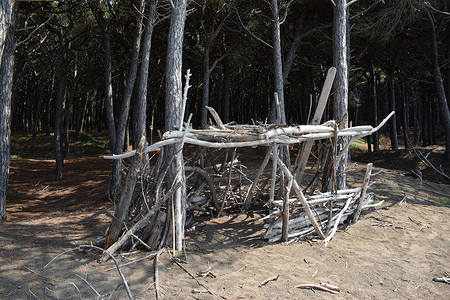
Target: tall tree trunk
(37,111)
(277,60)
(59,111)
(173,109)
(340,60)
(82,107)
(278,74)
(109,106)
(206,80)
(7,17)
(425,120)
(69,106)
(140,109)
(126,101)
(439,85)
(405,119)
(373,85)
(391,89)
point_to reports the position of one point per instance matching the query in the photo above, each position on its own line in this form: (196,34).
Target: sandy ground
(393,252)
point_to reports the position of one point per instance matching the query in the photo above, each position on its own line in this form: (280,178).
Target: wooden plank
(303,158)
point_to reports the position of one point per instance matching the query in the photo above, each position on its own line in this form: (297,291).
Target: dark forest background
(60,52)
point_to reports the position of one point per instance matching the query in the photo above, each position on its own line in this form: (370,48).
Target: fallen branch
(443,279)
(424,159)
(322,287)
(156,274)
(268,280)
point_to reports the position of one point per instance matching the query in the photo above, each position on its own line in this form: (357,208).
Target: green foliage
(86,144)
(403,188)
(443,200)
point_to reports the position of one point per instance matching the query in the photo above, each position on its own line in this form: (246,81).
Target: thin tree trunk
(277,60)
(68,112)
(126,101)
(59,112)
(109,106)
(226,89)
(405,120)
(425,120)
(278,75)
(391,89)
(81,111)
(140,110)
(206,80)
(37,111)
(340,60)
(7,17)
(173,111)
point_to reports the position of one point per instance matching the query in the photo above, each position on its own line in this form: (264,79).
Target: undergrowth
(85,144)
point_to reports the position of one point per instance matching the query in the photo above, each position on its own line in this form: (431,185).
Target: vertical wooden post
(285,226)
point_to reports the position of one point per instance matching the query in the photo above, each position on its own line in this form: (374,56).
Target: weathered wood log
(156,230)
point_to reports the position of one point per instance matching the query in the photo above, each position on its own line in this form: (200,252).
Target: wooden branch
(216,117)
(156,274)
(249,197)
(285,227)
(302,199)
(268,280)
(336,224)
(323,287)
(125,197)
(139,225)
(443,279)
(209,181)
(425,160)
(363,193)
(274,172)
(185,92)
(227,189)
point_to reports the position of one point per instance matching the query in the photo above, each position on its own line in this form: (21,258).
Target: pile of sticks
(329,209)
(292,217)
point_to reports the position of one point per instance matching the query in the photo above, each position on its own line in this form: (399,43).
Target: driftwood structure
(213,178)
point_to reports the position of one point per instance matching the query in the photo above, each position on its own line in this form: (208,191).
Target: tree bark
(173,109)
(7,17)
(226,89)
(140,109)
(109,106)
(340,61)
(59,112)
(439,85)
(277,60)
(391,89)
(37,111)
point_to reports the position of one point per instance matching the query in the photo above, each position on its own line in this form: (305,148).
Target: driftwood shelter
(145,206)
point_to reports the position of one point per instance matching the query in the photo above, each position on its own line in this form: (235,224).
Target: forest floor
(392,252)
